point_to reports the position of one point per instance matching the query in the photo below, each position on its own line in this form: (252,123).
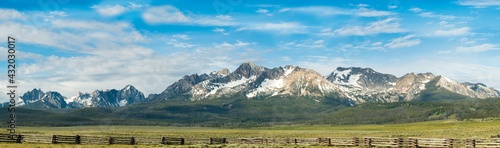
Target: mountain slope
(253,81)
(107,98)
(345,85)
(358,85)
(36,98)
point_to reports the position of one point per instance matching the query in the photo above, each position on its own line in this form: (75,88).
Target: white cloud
(134,5)
(480,3)
(219,20)
(282,27)
(286,58)
(331,11)
(393,7)
(238,44)
(181,36)
(224,17)
(467,41)
(178,44)
(58,13)
(311,44)
(264,11)
(415,9)
(377,44)
(7,14)
(241,43)
(478,48)
(389,25)
(446,24)
(365,12)
(406,41)
(362,5)
(453,32)
(86,37)
(109,10)
(220,30)
(150,73)
(441,16)
(164,14)
(171,15)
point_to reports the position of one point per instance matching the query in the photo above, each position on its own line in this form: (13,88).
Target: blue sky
(70,46)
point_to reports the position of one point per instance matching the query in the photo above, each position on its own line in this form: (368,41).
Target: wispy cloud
(478,48)
(264,11)
(177,44)
(6,14)
(168,14)
(389,25)
(181,36)
(453,32)
(282,27)
(331,11)
(441,16)
(220,30)
(164,14)
(415,9)
(109,10)
(313,44)
(480,3)
(406,41)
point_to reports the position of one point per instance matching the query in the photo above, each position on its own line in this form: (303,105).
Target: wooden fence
(473,143)
(430,142)
(326,141)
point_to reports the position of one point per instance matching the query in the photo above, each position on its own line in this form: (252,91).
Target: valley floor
(433,129)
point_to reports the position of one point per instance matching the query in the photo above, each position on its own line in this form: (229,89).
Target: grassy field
(432,129)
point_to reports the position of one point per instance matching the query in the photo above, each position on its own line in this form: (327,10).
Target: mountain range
(36,98)
(348,85)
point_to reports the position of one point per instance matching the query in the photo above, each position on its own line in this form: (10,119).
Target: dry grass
(433,129)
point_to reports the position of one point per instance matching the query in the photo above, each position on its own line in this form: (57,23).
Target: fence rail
(412,142)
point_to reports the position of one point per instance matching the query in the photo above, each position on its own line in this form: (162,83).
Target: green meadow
(432,129)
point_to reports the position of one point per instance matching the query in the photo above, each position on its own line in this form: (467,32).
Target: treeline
(237,111)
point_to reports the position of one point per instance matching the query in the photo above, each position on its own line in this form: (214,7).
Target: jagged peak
(248,69)
(223,72)
(249,65)
(291,67)
(36,90)
(129,87)
(427,74)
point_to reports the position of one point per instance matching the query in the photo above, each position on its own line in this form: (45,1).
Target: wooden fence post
(329,141)
(211,141)
(355,141)
(399,142)
(182,141)
(78,139)
(413,142)
(111,140)
(470,143)
(54,139)
(19,138)
(132,140)
(449,143)
(368,142)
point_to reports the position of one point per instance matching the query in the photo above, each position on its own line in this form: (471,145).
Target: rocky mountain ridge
(355,84)
(36,98)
